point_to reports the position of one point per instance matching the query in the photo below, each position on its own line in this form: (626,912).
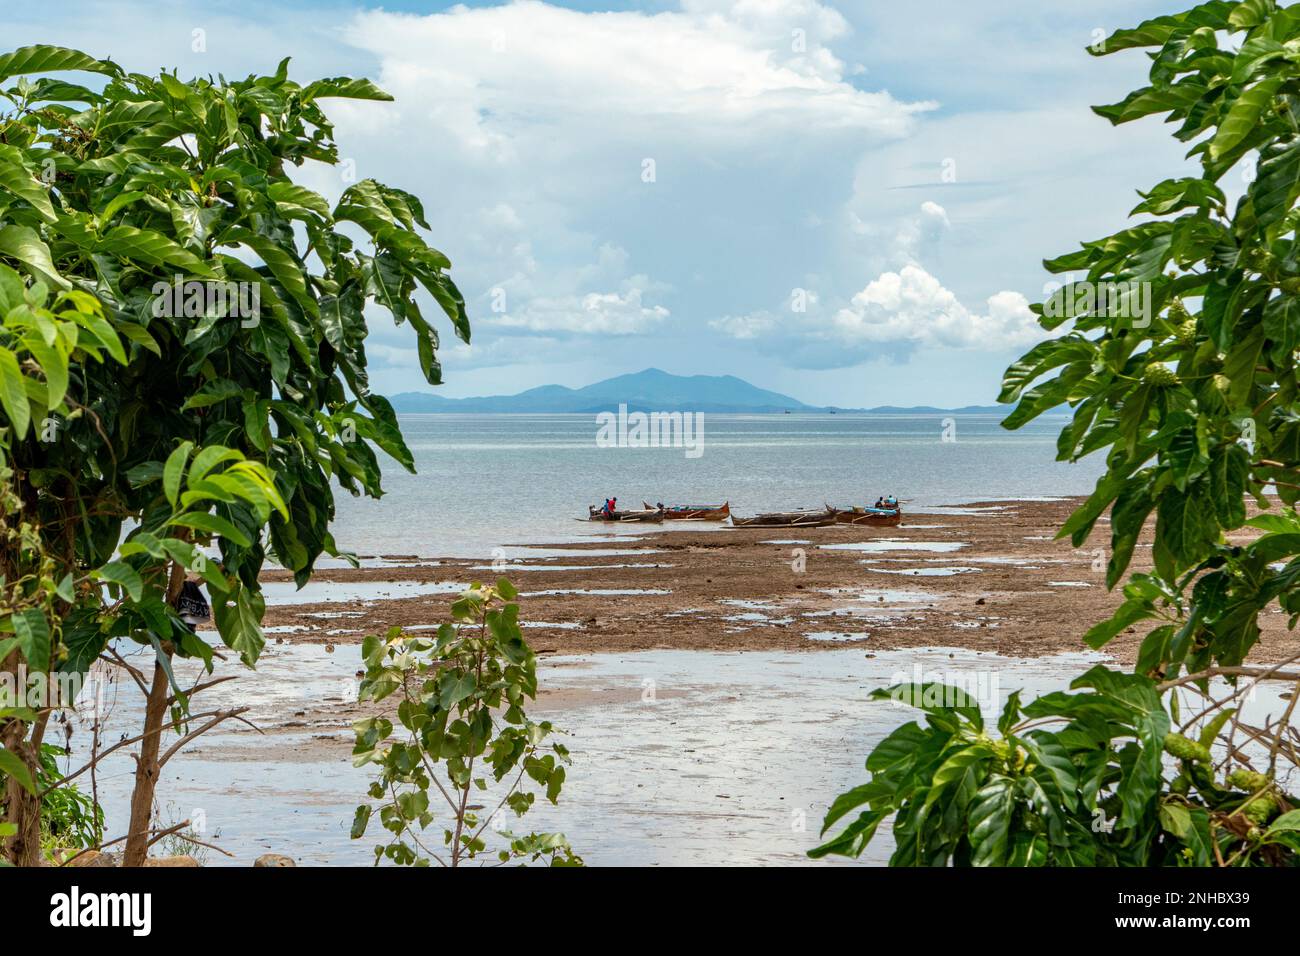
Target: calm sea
(490,481)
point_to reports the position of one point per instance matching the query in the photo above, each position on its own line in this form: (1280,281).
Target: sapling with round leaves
(463,757)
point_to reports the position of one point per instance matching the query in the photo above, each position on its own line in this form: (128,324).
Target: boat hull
(652,515)
(788,519)
(688,513)
(870,516)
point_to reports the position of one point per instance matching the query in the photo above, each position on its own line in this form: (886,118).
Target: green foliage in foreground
(182,364)
(1077,794)
(1177,352)
(461,698)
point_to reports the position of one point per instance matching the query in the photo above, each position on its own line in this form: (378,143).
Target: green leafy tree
(461,699)
(1177,351)
(182,369)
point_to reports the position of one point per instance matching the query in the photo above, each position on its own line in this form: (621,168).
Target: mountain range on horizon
(649,390)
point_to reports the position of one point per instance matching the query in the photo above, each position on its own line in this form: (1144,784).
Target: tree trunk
(146,770)
(22,809)
(146,764)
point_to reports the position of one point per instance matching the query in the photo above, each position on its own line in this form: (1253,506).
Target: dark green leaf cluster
(1176,351)
(182,338)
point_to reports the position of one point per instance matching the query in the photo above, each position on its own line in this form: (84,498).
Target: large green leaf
(1244,116)
(853,839)
(238,622)
(152,248)
(123,575)
(12,765)
(19,181)
(13,396)
(49,59)
(346,87)
(990,821)
(211,524)
(1277,183)
(1158,30)
(22,244)
(54,365)
(33,633)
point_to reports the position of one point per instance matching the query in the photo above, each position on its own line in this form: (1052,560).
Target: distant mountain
(650,390)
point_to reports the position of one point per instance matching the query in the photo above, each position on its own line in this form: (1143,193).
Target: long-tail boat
(694,512)
(788,519)
(880,517)
(600,514)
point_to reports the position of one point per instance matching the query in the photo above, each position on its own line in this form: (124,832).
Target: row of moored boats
(884,516)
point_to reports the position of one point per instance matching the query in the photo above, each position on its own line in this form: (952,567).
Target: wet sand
(714,705)
(679,757)
(987,577)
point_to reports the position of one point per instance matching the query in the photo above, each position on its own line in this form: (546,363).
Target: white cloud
(921,233)
(749,326)
(794,141)
(901,309)
(489,74)
(538,118)
(912,306)
(596,313)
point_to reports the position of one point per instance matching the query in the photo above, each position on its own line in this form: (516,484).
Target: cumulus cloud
(489,73)
(780,162)
(922,232)
(912,306)
(902,309)
(544,119)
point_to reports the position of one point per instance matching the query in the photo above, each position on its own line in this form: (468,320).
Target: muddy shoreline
(988,576)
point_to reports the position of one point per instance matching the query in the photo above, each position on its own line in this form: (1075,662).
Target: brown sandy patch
(731,589)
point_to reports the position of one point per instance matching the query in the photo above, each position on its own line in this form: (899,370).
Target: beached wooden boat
(694,512)
(788,519)
(650,514)
(879,517)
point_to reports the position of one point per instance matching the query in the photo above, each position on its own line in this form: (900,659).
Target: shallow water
(595,568)
(924,572)
(885,546)
(882,596)
(598,591)
(837,636)
(486,482)
(680,757)
(350,592)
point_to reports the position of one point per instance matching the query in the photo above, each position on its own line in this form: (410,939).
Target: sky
(845,201)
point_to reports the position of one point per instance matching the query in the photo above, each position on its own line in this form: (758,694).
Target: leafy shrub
(462,698)
(140,399)
(70,819)
(1178,357)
